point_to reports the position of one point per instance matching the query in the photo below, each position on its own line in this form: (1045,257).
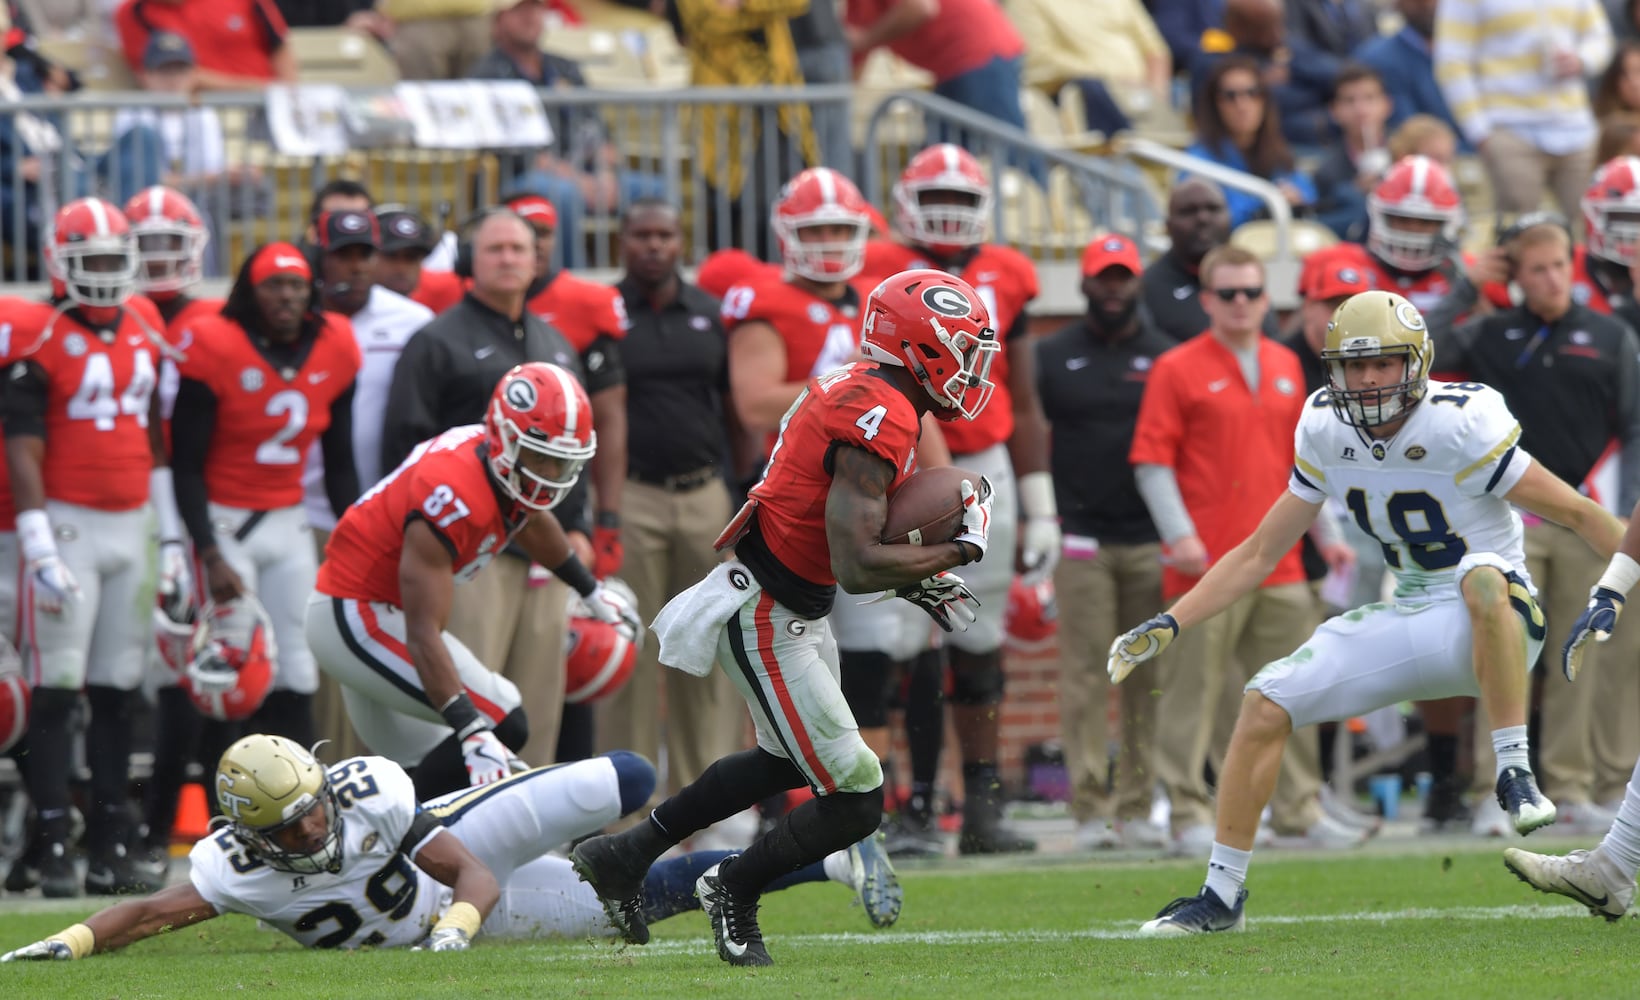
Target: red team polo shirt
(228,36)
(1231,449)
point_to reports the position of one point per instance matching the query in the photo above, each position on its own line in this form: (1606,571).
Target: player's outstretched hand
(946,599)
(976,515)
(488,759)
(55,588)
(609,605)
(49,950)
(1596,622)
(445,939)
(1137,645)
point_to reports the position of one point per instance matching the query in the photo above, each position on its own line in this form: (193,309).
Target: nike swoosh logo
(318,377)
(1076,364)
(1183,292)
(483,352)
(1217,386)
(734,947)
(134,341)
(282,261)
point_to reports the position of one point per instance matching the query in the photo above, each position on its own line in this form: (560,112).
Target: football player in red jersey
(171,242)
(377,615)
(814,523)
(942,206)
(592,317)
(1414,217)
(407,239)
(86,456)
(1611,228)
(260,382)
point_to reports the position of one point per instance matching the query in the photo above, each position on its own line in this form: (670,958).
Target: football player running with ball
(1429,469)
(814,523)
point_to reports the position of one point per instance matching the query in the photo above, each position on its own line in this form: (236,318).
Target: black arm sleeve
(603,365)
(341,474)
(24,403)
(412,399)
(193,421)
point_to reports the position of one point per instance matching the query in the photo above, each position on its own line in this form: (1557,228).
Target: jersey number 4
(95,400)
(1420,524)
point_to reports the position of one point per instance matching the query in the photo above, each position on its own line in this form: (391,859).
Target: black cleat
(58,879)
(1203,913)
(111,873)
(734,920)
(617,878)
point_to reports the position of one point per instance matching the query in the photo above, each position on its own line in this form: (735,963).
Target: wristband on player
(34,535)
(608,519)
(461,916)
(1622,573)
(575,573)
(1036,497)
(461,716)
(79,938)
(970,551)
(162,494)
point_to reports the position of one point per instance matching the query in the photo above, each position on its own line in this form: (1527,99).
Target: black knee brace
(851,816)
(513,730)
(868,684)
(977,679)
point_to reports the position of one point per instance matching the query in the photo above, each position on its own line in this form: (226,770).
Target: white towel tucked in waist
(689,626)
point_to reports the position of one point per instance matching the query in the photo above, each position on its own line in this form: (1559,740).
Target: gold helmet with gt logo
(1374,325)
(266,786)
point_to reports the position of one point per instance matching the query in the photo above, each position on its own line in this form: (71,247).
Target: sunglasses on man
(1229,294)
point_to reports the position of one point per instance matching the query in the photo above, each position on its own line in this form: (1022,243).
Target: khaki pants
(1226,651)
(330,720)
(668,539)
(1098,598)
(440,48)
(1521,172)
(519,628)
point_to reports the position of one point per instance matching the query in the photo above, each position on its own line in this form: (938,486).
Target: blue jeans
(134,161)
(565,195)
(991,89)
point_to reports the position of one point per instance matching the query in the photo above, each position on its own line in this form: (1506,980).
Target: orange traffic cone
(193,818)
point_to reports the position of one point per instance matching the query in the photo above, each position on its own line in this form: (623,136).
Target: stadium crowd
(178,464)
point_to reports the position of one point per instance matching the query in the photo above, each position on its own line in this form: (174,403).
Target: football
(927,508)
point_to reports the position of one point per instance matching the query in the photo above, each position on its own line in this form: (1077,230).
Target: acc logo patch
(250,379)
(1409,316)
(737,579)
(369,842)
(519,394)
(947,301)
(1416,452)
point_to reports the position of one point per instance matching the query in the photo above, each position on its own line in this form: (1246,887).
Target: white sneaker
(1193,842)
(1345,813)
(1097,835)
(1585,818)
(1329,834)
(1142,835)
(1490,820)
(1589,877)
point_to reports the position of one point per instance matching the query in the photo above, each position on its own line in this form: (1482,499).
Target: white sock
(1227,871)
(837,866)
(1622,843)
(1509,743)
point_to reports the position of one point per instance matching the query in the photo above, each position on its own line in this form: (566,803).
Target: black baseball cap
(404,229)
(346,229)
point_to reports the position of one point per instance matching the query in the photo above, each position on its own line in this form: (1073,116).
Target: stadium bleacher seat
(342,56)
(99,68)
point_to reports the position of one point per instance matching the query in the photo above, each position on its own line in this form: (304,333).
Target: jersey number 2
(391,891)
(276,450)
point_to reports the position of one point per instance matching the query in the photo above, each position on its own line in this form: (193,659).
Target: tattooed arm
(856,509)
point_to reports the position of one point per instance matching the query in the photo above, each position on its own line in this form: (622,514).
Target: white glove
(488,759)
(976,515)
(55,588)
(49,950)
(1039,544)
(1139,644)
(176,582)
(945,598)
(445,939)
(608,604)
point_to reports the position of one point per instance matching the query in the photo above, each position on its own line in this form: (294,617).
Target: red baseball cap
(279,258)
(1330,275)
(1111,250)
(535,210)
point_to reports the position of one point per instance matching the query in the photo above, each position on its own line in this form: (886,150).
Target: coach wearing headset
(512,621)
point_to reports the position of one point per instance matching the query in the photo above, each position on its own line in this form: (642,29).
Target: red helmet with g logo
(539,432)
(936,326)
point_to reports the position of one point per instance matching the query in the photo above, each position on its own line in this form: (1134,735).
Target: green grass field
(1450,922)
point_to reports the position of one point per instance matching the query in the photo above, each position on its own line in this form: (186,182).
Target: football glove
(49,950)
(55,588)
(610,606)
(946,599)
(607,552)
(1596,622)
(445,939)
(488,759)
(176,584)
(1039,543)
(1137,645)
(976,516)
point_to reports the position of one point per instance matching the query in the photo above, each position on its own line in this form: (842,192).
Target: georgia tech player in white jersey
(347,858)
(1430,470)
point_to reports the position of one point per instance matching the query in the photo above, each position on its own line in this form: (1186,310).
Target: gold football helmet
(1370,325)
(266,785)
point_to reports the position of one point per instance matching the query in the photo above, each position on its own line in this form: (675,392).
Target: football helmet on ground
(232,666)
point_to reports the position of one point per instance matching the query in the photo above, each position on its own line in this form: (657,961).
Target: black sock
(108,750)
(981,786)
(288,714)
(925,720)
(803,836)
(1443,755)
(444,769)
(738,781)
(576,733)
(50,750)
(177,730)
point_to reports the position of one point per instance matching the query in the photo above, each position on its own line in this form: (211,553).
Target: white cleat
(1589,877)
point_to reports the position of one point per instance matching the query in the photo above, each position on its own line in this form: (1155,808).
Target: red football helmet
(1411,212)
(936,326)
(599,657)
(92,252)
(234,660)
(943,200)
(1031,618)
(171,239)
(539,409)
(817,197)
(175,641)
(14,696)
(1611,211)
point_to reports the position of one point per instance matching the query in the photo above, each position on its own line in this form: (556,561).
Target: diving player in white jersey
(1430,470)
(346,858)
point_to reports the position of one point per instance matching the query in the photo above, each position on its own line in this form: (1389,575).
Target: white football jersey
(379,898)
(1431,494)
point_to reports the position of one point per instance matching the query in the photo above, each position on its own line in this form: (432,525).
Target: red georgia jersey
(439,290)
(1422,289)
(582,310)
(849,406)
(1006,282)
(445,483)
(98,391)
(11,346)
(1584,290)
(819,335)
(266,417)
